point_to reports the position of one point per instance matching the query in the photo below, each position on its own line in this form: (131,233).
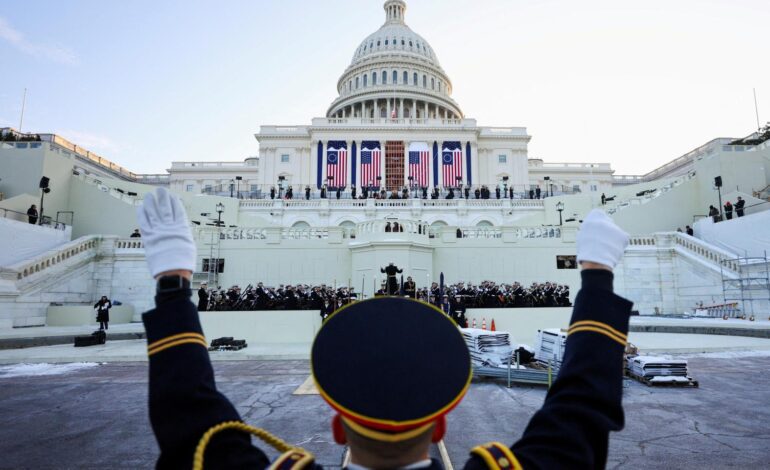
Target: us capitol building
(471,211)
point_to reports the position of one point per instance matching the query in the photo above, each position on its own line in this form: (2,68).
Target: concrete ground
(96,417)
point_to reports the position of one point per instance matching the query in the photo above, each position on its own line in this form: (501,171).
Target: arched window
(384,77)
(439,85)
(371,45)
(350,85)
(432,83)
(410,44)
(365,79)
(402,42)
(395,77)
(405,81)
(414,79)
(386,42)
(356,83)
(374,78)
(378,43)
(424,81)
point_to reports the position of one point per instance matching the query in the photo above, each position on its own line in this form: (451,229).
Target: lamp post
(220,209)
(560,207)
(238,179)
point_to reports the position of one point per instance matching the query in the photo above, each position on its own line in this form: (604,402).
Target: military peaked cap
(390,364)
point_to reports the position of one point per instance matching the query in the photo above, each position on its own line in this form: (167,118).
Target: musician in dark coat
(410,288)
(102,308)
(32,214)
(391,270)
(382,430)
(203,298)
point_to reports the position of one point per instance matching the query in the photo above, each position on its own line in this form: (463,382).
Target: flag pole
(24,103)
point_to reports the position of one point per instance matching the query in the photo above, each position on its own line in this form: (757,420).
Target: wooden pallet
(646,380)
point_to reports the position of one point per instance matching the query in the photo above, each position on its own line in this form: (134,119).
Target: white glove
(600,240)
(168,242)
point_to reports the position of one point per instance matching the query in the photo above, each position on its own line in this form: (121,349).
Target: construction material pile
(653,370)
(488,348)
(227,343)
(549,346)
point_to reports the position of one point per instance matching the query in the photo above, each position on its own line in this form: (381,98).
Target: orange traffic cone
(483,323)
(474,323)
(492,328)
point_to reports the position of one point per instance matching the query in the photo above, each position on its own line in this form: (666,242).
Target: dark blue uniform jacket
(571,430)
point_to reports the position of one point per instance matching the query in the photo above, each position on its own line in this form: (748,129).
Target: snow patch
(36,370)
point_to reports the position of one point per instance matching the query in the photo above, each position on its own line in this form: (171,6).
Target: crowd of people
(377,192)
(326,298)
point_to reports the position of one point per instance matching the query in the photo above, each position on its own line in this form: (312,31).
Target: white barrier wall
(77,315)
(263,327)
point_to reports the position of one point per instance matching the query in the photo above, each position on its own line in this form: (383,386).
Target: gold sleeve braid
(298,457)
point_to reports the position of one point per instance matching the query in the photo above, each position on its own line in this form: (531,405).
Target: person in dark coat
(467,191)
(307,193)
(32,214)
(203,298)
(391,270)
(272,192)
(102,308)
(136,234)
(497,193)
(339,192)
(604,199)
(739,206)
(477,193)
(531,194)
(410,288)
(537,192)
(714,214)
(570,430)
(728,210)
(689,231)
(323,192)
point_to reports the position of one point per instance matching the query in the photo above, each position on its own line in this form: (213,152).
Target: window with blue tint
(374,78)
(384,77)
(414,79)
(189,188)
(365,78)
(432,83)
(285,158)
(395,77)
(386,42)
(406,78)
(502,159)
(424,81)
(402,42)
(410,44)
(378,43)
(356,83)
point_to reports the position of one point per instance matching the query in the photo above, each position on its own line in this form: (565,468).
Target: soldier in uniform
(410,288)
(203,298)
(391,270)
(198,427)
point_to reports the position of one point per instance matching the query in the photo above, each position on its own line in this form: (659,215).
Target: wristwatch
(171,284)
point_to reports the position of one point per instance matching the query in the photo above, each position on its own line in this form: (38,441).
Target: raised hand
(600,241)
(168,242)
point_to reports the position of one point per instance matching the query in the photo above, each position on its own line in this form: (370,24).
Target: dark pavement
(97,417)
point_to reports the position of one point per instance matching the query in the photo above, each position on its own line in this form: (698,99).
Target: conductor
(391,270)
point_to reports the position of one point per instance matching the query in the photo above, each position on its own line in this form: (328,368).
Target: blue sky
(149,82)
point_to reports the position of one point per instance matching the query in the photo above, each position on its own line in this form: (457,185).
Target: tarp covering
(745,236)
(21,240)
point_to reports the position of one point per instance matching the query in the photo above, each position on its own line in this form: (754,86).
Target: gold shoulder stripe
(600,325)
(175,337)
(497,456)
(172,344)
(594,329)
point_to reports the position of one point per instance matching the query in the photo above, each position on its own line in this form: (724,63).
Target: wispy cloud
(54,53)
(90,141)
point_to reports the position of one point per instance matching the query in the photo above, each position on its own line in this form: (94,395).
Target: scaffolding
(209,259)
(747,281)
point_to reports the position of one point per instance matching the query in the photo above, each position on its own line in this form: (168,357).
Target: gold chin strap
(275,442)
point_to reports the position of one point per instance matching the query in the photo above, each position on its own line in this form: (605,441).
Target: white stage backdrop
(21,240)
(744,236)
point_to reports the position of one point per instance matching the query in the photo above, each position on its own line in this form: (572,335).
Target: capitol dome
(394,74)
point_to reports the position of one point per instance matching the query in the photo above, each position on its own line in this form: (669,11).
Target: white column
(401,109)
(387,109)
(426,110)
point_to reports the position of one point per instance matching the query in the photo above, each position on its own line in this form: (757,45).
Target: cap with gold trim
(390,365)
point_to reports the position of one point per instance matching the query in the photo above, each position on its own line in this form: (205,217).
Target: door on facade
(394,165)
